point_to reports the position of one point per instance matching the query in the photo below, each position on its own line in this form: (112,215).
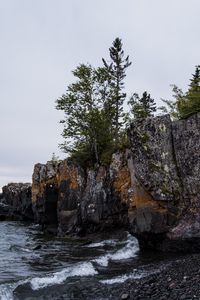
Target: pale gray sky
(43,40)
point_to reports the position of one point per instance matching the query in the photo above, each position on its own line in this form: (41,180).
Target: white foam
(120,279)
(103,243)
(103,260)
(83,269)
(6,290)
(128,251)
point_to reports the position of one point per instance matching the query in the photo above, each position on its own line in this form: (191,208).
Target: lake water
(37,266)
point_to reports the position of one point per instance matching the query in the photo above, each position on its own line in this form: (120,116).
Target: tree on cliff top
(190,103)
(143,107)
(184,104)
(116,69)
(93,109)
(86,126)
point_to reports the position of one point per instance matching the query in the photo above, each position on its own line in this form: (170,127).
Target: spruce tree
(185,104)
(192,102)
(143,107)
(116,69)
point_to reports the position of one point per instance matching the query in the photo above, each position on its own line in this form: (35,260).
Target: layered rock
(70,200)
(16,202)
(153,188)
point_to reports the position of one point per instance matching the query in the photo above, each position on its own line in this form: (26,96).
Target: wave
(123,278)
(6,292)
(19,248)
(83,269)
(103,243)
(128,251)
(136,274)
(7,289)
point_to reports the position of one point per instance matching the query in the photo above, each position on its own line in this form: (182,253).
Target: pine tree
(185,104)
(192,97)
(117,72)
(143,107)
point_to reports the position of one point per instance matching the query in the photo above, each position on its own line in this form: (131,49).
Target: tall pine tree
(116,69)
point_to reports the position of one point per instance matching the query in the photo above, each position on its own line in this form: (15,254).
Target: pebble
(124,296)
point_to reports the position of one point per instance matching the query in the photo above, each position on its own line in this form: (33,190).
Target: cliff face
(153,188)
(166,163)
(56,195)
(68,199)
(16,202)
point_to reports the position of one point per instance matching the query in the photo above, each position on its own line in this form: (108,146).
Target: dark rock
(153,188)
(164,166)
(78,201)
(16,201)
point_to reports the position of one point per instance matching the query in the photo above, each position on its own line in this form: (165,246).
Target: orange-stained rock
(153,188)
(56,191)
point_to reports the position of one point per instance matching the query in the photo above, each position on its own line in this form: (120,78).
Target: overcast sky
(43,40)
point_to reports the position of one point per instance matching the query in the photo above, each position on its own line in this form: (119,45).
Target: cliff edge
(151,189)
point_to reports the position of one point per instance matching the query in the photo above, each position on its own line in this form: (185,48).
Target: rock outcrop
(153,188)
(70,200)
(16,202)
(166,163)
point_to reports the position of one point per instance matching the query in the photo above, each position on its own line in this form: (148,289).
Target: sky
(42,41)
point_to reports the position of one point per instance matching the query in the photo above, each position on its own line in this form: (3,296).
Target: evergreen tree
(171,106)
(184,104)
(143,107)
(191,102)
(116,69)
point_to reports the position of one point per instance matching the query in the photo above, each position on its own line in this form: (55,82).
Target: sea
(35,265)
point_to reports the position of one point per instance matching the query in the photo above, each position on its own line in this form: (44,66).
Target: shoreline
(177,279)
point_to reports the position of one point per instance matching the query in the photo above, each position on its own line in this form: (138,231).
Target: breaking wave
(83,269)
(6,290)
(128,251)
(121,249)
(103,243)
(120,279)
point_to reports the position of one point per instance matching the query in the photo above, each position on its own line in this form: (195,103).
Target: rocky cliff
(153,188)
(68,199)
(166,163)
(16,202)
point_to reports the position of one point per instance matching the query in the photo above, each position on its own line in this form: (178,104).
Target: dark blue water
(33,264)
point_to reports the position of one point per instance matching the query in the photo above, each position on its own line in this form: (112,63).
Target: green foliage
(116,70)
(93,106)
(184,104)
(143,107)
(190,103)
(86,124)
